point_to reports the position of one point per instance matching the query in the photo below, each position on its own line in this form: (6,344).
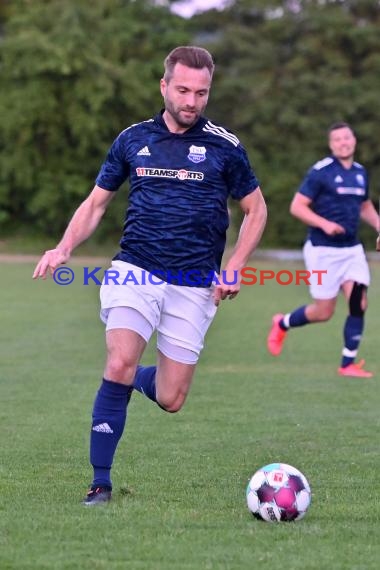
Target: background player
(331,201)
(182,168)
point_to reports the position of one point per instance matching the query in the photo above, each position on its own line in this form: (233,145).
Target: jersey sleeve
(366,177)
(115,169)
(241,179)
(310,185)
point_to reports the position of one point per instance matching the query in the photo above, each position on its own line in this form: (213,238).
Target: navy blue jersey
(177,215)
(337,194)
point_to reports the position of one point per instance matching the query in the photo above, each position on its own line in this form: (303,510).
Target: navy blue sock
(108,420)
(297,318)
(352,333)
(145,381)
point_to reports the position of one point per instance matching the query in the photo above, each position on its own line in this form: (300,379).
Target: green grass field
(179,480)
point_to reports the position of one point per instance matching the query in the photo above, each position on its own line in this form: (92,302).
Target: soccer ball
(278,492)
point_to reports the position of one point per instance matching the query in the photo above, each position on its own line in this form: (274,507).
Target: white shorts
(181,315)
(341,263)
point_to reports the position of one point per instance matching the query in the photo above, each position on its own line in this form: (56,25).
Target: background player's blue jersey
(177,216)
(337,194)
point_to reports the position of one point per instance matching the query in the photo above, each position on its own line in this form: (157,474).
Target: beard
(180,117)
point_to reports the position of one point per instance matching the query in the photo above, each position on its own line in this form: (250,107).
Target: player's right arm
(301,208)
(83,223)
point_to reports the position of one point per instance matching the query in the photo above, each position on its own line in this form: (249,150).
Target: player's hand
(49,262)
(228,286)
(332,228)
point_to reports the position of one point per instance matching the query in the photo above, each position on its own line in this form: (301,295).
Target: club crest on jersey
(360,179)
(197,153)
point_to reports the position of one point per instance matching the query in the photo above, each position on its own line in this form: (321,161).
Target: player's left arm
(251,230)
(369,215)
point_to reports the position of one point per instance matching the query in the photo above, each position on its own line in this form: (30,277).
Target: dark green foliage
(290,74)
(75,73)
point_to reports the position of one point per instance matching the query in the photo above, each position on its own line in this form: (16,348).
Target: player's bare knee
(120,369)
(358,300)
(171,409)
(171,405)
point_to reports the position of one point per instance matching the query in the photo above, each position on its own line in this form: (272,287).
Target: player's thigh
(127,334)
(356,268)
(325,267)
(126,285)
(124,345)
(347,290)
(187,313)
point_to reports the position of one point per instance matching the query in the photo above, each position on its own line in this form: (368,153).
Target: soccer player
(181,168)
(331,200)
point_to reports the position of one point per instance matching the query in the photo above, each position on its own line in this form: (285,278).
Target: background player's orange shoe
(276,336)
(355,370)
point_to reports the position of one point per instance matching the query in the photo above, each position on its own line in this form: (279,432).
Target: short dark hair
(340,125)
(191,56)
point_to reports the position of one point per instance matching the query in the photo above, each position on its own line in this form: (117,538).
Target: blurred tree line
(75,73)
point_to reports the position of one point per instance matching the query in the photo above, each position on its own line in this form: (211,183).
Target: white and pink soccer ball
(278,492)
